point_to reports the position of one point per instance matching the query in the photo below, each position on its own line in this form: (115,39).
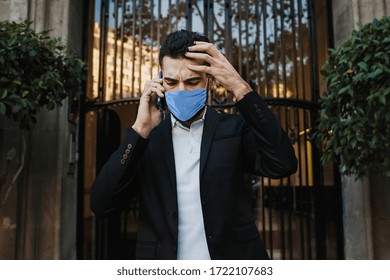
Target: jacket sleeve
(266,146)
(115,180)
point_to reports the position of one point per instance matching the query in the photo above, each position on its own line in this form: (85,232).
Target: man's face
(177,76)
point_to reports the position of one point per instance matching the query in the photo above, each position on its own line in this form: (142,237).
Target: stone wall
(348,13)
(365,213)
(43,204)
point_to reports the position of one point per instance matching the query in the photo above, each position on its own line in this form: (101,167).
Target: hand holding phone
(151,107)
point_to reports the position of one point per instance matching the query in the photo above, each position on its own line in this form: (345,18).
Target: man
(188,166)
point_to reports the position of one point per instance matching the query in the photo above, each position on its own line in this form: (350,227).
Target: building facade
(277,46)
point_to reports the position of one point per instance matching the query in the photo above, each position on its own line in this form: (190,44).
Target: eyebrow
(192,79)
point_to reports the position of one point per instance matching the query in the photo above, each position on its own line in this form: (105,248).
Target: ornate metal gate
(277,46)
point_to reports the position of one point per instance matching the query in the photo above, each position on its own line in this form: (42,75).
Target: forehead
(178,67)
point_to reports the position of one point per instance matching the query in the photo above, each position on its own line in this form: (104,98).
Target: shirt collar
(175,121)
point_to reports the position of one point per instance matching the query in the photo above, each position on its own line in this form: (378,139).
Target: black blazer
(232,145)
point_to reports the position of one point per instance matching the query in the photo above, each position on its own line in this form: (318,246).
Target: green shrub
(354,125)
(36,71)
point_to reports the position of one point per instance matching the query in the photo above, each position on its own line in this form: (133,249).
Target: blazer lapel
(210,125)
(166,147)
(165,132)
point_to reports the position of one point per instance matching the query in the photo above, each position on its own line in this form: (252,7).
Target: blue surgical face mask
(184,104)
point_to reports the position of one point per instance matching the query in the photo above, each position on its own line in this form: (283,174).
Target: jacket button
(258,111)
(255,106)
(129,146)
(127,151)
(123,161)
(125,156)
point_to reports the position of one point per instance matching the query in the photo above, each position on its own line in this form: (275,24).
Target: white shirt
(192,242)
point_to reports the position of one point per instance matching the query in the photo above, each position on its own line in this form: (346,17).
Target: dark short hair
(177,43)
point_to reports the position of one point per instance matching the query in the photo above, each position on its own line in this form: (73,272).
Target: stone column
(357,195)
(51,224)
(357,219)
(47,188)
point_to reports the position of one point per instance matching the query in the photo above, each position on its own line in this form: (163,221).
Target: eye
(192,84)
(171,83)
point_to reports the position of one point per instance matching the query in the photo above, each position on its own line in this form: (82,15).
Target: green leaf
(344,90)
(363,65)
(372,75)
(382,99)
(32,53)
(5,93)
(16,108)
(3,108)
(359,77)
(353,143)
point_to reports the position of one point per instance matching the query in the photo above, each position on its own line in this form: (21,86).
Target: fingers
(201,56)
(152,91)
(155,83)
(206,52)
(219,67)
(209,53)
(154,87)
(202,68)
(205,47)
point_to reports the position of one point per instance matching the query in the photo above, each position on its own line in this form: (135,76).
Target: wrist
(241,89)
(142,130)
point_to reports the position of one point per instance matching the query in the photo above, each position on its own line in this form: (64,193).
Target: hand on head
(219,67)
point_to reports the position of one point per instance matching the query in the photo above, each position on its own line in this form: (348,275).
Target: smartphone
(161,101)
